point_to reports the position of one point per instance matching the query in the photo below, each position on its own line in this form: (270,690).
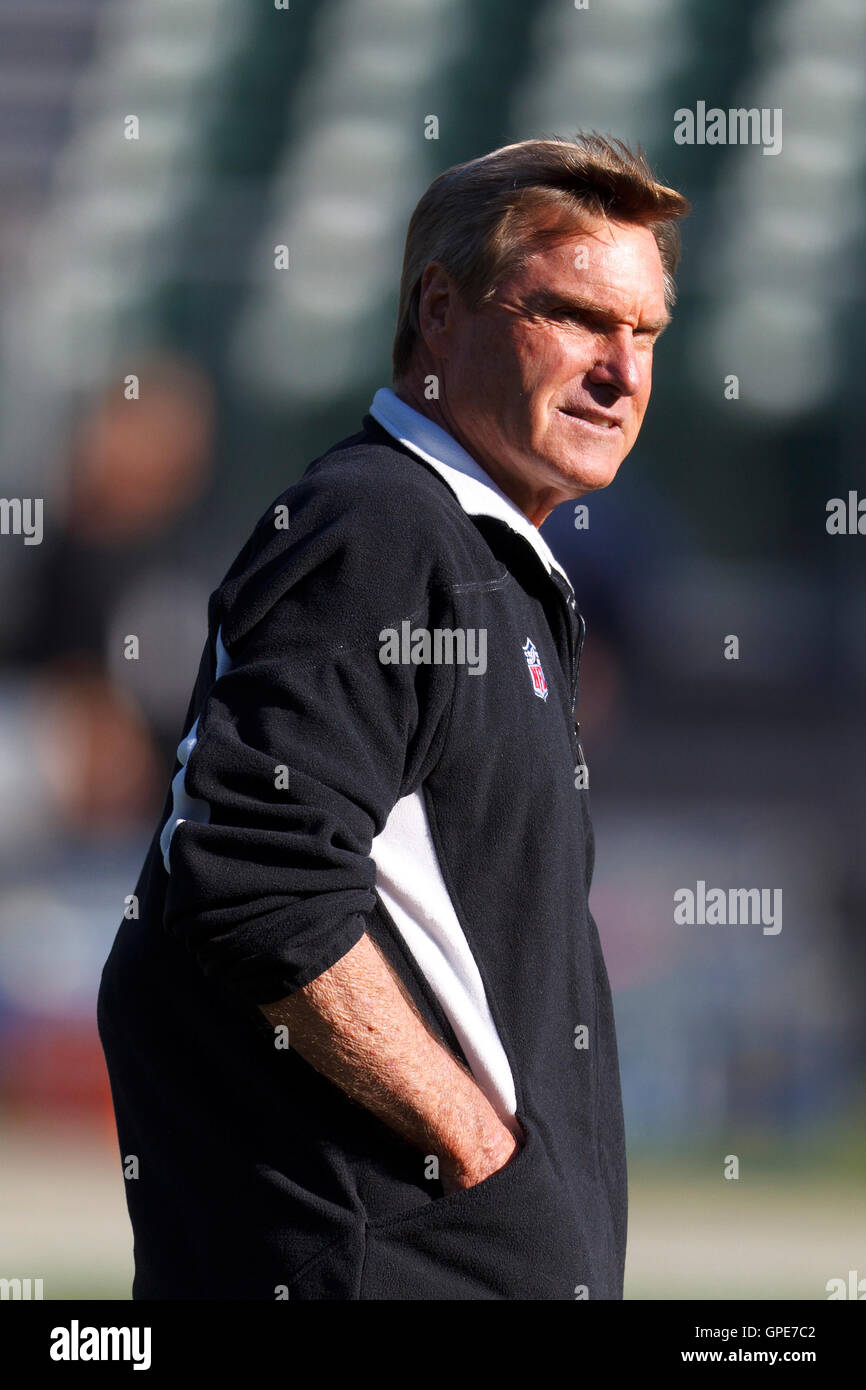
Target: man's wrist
(482,1161)
(468,1136)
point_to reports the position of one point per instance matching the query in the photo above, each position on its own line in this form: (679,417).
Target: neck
(536,505)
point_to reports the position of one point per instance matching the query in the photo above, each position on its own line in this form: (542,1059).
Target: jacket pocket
(332,1274)
(516,1235)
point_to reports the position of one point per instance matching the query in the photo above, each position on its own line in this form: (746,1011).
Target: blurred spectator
(122,564)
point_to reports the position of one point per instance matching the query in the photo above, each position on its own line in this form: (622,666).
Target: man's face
(547,384)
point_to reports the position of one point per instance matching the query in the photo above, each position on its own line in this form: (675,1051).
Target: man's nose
(616,363)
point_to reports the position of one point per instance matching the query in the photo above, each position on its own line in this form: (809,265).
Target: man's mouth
(593,418)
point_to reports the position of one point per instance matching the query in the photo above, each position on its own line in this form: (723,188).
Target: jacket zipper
(575,650)
(581,635)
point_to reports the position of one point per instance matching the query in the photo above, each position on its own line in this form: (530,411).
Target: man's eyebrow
(543,301)
(657,326)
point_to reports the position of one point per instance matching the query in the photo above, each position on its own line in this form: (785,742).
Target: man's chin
(590,474)
(587,456)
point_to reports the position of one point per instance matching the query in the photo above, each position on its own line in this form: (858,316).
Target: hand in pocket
(459,1173)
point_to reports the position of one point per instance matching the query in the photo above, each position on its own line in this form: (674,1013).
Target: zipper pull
(581,772)
(577,736)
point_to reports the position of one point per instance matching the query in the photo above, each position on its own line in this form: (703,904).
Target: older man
(360,1034)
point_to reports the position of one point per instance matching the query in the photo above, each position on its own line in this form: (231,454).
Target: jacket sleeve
(303,744)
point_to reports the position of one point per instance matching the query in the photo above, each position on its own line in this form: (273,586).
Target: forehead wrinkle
(550,276)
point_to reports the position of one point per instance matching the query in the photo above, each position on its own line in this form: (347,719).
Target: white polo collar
(476,491)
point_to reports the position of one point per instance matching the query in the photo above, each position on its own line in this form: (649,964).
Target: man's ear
(436,306)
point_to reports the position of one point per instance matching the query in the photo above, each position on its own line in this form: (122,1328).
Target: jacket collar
(475,490)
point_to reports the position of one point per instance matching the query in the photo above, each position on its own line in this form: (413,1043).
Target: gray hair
(482,219)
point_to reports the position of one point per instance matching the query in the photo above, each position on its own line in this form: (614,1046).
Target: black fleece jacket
(257,1177)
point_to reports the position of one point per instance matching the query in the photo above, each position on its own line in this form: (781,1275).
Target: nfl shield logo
(539,684)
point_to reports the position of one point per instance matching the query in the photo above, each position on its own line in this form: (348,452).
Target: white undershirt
(409,879)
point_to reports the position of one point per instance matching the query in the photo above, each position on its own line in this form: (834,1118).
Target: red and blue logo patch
(539,684)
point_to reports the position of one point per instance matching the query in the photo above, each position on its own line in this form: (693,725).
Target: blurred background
(152,155)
